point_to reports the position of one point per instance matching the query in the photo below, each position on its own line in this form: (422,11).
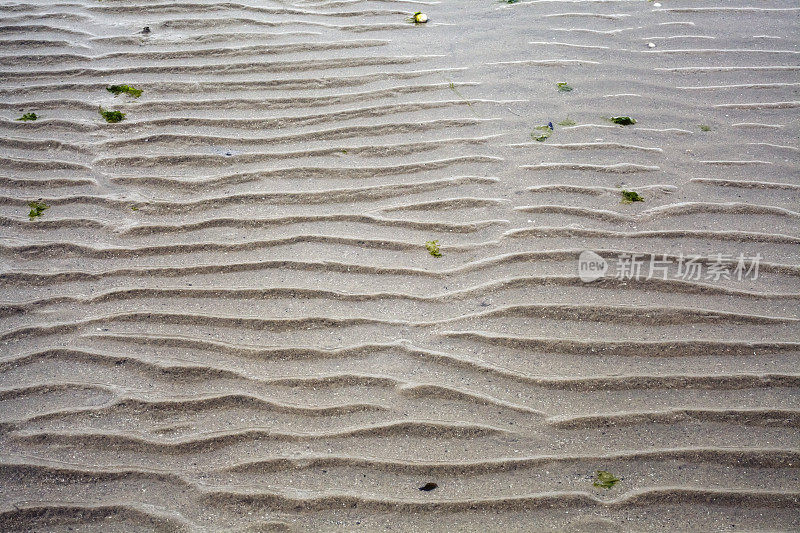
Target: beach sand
(226,318)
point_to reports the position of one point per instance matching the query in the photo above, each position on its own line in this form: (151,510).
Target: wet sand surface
(227,320)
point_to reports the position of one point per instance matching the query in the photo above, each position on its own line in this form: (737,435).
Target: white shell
(656,5)
(422,17)
(651,45)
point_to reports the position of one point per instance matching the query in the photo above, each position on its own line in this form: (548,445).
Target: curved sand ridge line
(227,68)
(600,347)
(46,182)
(616,168)
(37,43)
(220,439)
(206,87)
(332,196)
(317,135)
(589,146)
(376,111)
(635,315)
(10,308)
(42,28)
(568,500)
(73,473)
(571,231)
(734,457)
(605,16)
(205,160)
(184,7)
(221,37)
(197,406)
(200,23)
(45,144)
(61,16)
(206,183)
(41,278)
(718,9)
(292,102)
(252,496)
(74,248)
(597,190)
(664,211)
(260,50)
(193,372)
(613,314)
(745,417)
(129,514)
(747,184)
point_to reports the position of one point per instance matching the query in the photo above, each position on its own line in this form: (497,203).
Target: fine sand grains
(320,269)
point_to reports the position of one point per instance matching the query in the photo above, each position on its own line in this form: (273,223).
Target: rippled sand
(227,318)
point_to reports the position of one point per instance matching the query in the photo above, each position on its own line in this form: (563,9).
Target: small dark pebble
(146,29)
(428,487)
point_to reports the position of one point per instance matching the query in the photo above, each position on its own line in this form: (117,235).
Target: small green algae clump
(112,116)
(628,197)
(542,137)
(37,209)
(433,248)
(567,122)
(623,121)
(117,90)
(28,116)
(564,87)
(605,480)
(705,127)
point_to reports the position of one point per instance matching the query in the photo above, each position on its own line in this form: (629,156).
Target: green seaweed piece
(124,89)
(112,116)
(567,122)
(28,116)
(564,87)
(628,197)
(705,127)
(37,209)
(542,137)
(433,248)
(605,480)
(623,121)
